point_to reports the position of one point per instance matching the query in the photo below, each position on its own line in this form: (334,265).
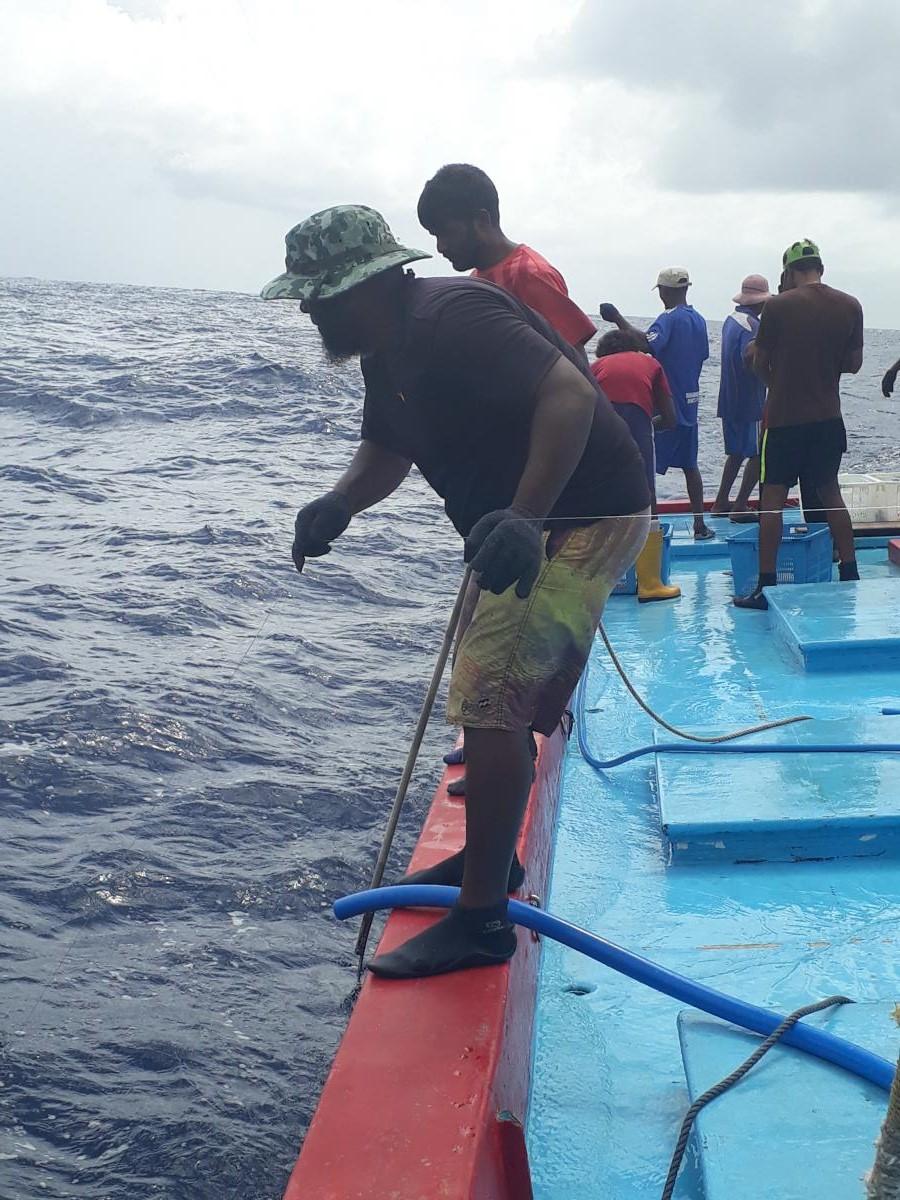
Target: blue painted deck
(683,533)
(610,1086)
(741,1156)
(727,807)
(856,628)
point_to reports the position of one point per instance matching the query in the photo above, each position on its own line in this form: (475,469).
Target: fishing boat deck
(775,878)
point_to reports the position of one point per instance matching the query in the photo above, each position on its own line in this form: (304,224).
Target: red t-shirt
(536,283)
(630,378)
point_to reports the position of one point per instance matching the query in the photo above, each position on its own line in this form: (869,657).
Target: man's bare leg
(771,526)
(749,480)
(770,530)
(841,526)
(694,483)
(476,932)
(722,502)
(498,780)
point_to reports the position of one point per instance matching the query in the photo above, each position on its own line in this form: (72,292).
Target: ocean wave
(199,746)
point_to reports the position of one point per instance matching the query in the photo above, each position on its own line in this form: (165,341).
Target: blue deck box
(804,556)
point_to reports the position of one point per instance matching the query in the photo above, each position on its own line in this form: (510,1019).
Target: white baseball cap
(673,277)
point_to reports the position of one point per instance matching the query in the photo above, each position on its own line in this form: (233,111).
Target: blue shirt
(742,394)
(679,343)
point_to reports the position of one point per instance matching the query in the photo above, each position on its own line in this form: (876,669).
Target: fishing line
(253,640)
(665,515)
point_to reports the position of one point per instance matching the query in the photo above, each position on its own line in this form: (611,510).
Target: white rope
(682,733)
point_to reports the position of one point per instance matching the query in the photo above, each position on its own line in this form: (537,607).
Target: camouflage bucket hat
(334,250)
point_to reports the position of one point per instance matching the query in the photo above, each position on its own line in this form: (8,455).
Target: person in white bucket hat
(742,395)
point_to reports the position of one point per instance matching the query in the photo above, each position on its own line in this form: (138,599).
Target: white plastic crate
(859,491)
(887,495)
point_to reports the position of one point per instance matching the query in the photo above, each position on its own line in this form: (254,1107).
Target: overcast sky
(175,141)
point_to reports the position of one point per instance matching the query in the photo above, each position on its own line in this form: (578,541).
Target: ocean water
(198,747)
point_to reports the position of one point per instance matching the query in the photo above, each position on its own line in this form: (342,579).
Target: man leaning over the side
(539,477)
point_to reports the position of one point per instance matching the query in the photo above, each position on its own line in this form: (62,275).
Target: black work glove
(318,524)
(504,548)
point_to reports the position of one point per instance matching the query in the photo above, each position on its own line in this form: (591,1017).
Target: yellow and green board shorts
(518,661)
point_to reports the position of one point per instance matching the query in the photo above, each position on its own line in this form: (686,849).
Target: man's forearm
(609,312)
(373,474)
(890,378)
(760,363)
(559,432)
(665,416)
(640,338)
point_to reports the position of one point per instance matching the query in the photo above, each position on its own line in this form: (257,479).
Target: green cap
(800,250)
(334,250)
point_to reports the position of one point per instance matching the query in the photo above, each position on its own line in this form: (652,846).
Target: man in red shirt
(460,208)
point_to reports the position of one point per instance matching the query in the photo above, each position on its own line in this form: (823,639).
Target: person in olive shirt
(808,337)
(539,477)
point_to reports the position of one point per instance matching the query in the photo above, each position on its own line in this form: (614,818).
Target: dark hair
(457,193)
(616,341)
(809,262)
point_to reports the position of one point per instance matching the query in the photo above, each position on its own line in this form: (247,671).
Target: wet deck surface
(610,1084)
(854,629)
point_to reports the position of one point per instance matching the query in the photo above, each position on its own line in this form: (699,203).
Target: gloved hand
(504,548)
(318,524)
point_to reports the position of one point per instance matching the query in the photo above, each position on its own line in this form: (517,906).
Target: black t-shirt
(456,395)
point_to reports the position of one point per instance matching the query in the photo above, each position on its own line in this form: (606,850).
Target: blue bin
(802,557)
(627,585)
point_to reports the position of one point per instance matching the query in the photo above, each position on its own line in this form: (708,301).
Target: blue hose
(814,1041)
(600,764)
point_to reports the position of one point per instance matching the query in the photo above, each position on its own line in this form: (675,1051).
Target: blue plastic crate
(802,557)
(627,585)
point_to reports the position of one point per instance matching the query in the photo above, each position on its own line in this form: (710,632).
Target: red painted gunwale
(428,1092)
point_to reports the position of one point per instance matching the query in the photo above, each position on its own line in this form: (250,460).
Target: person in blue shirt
(742,396)
(677,339)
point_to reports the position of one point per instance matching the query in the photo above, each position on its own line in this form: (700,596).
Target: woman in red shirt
(637,387)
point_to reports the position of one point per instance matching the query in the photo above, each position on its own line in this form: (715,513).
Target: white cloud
(175,141)
(775,96)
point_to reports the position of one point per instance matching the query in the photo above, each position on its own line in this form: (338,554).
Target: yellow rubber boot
(649,561)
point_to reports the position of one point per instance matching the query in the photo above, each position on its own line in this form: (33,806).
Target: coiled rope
(683,733)
(730,1080)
